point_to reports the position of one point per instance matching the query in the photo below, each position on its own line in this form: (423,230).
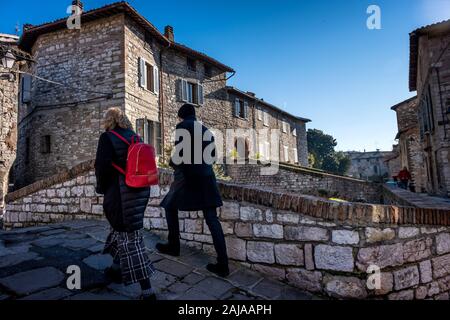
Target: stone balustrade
(320,246)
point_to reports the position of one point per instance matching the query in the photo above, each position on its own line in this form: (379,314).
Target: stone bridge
(318,246)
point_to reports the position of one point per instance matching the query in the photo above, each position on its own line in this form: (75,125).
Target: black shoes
(114,275)
(167,249)
(220,269)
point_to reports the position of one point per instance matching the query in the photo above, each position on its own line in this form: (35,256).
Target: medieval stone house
(368,165)
(409,145)
(430,77)
(118,58)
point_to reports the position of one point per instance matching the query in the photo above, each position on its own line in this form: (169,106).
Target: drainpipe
(161,102)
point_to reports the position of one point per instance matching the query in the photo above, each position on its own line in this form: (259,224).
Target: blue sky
(316,59)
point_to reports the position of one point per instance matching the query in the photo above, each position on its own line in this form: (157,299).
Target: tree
(321,148)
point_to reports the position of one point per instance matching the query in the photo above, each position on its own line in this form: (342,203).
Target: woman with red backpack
(124,205)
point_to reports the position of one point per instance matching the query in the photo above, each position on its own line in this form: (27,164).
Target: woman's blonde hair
(115,117)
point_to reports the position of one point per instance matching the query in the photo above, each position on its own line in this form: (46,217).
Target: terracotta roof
(31,33)
(435,29)
(403,102)
(271,106)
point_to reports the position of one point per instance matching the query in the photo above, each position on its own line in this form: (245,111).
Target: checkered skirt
(128,249)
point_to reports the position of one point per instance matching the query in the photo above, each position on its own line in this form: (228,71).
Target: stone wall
(369,165)
(90,62)
(306,181)
(319,246)
(8,130)
(433,94)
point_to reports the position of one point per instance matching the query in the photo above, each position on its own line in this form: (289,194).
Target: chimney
(78,4)
(27,26)
(251,94)
(168,33)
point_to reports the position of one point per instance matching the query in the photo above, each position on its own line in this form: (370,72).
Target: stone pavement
(34,261)
(421,200)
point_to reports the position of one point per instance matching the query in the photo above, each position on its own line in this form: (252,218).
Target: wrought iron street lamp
(8,60)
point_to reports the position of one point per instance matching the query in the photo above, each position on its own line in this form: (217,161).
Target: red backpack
(141,170)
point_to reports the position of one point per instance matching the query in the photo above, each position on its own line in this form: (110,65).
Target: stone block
(291,218)
(402,295)
(406,277)
(345,237)
(345,287)
(303,233)
(243,229)
(251,214)
(386,283)
(408,232)
(260,252)
(309,259)
(289,254)
(276,273)
(274,231)
(334,258)
(236,248)
(229,211)
(381,256)
(377,234)
(441,266)
(443,243)
(193,226)
(426,274)
(305,279)
(418,249)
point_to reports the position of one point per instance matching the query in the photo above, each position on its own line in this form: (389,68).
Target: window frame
(191,64)
(198,96)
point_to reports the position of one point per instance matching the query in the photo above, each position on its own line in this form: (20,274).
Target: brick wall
(306,181)
(319,246)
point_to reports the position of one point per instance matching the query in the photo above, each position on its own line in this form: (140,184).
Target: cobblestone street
(33,264)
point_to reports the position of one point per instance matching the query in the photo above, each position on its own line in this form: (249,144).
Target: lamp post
(7,61)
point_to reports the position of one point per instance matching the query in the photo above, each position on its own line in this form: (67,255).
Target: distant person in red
(404,176)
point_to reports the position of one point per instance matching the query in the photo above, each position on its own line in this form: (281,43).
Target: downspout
(161,102)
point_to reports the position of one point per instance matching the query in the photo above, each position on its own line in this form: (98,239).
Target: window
(25,88)
(295,155)
(266,119)
(46,144)
(148,76)
(286,153)
(240,108)
(150,132)
(191,64)
(208,70)
(285,127)
(260,114)
(264,150)
(294,132)
(191,92)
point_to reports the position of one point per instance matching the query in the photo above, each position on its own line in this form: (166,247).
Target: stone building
(117,58)
(9,86)
(393,161)
(368,165)
(252,112)
(429,75)
(409,146)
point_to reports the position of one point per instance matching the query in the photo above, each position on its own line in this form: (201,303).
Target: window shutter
(26,88)
(142,73)
(294,132)
(260,114)
(158,138)
(140,127)
(183,85)
(295,155)
(245,109)
(236,107)
(156,79)
(200,94)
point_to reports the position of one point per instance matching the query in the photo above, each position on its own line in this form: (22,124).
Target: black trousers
(214,226)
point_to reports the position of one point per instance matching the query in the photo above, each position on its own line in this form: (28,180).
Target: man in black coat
(194,187)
